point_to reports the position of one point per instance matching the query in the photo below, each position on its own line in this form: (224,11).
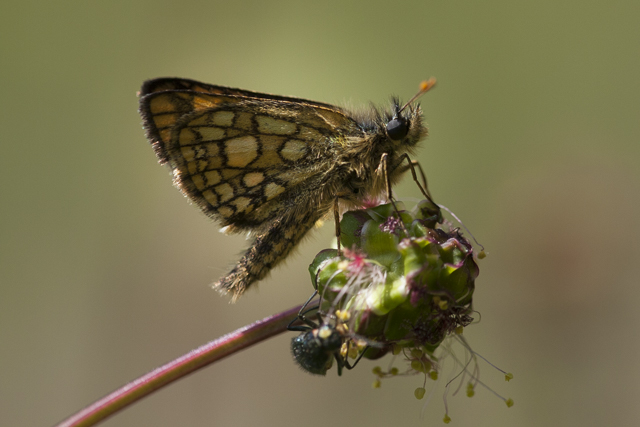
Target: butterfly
(273,166)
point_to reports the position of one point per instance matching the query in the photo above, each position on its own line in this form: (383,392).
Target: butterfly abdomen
(269,248)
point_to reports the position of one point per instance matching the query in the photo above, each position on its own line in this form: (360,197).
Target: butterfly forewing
(164,84)
(240,158)
(267,164)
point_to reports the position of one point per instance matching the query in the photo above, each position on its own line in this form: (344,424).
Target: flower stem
(181,367)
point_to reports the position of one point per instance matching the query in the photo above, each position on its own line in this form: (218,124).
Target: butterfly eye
(397,128)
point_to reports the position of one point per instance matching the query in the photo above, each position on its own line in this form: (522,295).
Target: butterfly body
(270,165)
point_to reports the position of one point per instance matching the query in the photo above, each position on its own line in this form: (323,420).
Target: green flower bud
(402,280)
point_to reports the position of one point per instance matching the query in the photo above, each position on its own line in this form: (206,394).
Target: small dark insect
(319,344)
(315,349)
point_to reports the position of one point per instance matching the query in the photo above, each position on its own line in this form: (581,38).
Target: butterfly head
(398,127)
(407,118)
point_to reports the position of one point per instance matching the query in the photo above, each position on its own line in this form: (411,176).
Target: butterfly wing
(170,83)
(242,157)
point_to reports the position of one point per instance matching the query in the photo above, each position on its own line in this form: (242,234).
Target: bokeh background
(105,268)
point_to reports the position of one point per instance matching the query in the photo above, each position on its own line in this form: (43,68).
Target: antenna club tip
(427,84)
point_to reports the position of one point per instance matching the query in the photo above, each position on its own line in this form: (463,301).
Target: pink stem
(180,367)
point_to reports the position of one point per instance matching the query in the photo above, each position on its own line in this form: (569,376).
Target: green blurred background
(105,268)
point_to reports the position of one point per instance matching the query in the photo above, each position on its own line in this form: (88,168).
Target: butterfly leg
(387,180)
(268,249)
(412,164)
(336,217)
(336,220)
(400,168)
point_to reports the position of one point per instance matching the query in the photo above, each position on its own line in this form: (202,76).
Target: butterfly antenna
(424,87)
